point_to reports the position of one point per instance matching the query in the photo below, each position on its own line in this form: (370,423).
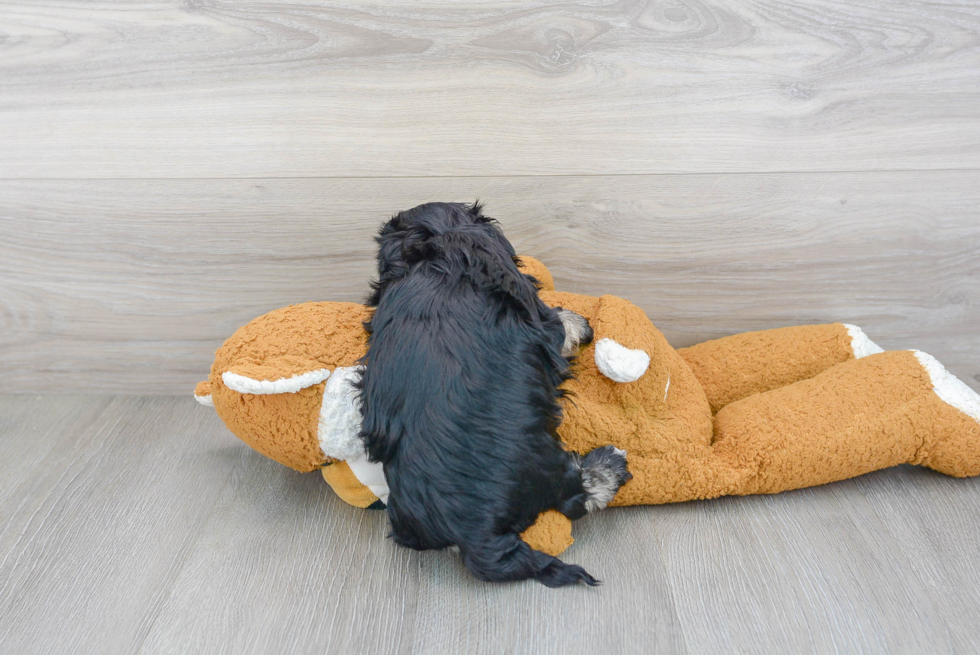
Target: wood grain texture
(130,285)
(93,537)
(922,512)
(806,571)
(208,88)
(633,611)
(147,528)
(284,566)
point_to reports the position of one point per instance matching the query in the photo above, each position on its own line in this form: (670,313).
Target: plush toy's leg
(859,416)
(674,477)
(736,367)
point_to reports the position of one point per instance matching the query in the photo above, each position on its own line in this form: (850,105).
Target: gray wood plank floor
(139,524)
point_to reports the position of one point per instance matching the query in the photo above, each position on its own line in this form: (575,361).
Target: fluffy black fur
(459,397)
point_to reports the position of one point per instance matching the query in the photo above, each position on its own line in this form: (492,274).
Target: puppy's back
(460,402)
(459,398)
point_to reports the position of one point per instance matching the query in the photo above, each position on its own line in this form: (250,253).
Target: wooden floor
(139,524)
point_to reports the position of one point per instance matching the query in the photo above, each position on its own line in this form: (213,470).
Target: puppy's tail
(506,558)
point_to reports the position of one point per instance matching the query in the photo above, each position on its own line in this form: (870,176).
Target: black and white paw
(578,332)
(603,473)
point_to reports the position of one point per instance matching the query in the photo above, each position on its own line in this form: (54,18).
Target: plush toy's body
(759,412)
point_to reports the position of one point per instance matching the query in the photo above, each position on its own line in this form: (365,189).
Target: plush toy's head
(282,382)
(268,380)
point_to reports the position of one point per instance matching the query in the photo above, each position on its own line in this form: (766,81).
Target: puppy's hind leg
(597,477)
(603,473)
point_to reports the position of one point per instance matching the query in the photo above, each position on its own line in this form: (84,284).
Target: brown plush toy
(760,412)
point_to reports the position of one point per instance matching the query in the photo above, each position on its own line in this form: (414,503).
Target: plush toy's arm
(735,367)
(345,484)
(202,393)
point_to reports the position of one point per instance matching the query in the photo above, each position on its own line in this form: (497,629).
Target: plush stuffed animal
(760,412)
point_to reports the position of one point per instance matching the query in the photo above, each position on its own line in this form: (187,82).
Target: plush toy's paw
(603,473)
(952,442)
(950,389)
(578,332)
(619,363)
(551,533)
(861,345)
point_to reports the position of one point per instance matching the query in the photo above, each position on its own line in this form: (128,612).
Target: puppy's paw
(603,473)
(578,332)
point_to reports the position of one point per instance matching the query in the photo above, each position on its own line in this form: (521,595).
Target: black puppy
(460,397)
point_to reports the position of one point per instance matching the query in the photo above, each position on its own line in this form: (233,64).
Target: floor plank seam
(876,171)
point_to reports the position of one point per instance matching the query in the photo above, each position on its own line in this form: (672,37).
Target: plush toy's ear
(619,363)
(282,374)
(627,357)
(537,270)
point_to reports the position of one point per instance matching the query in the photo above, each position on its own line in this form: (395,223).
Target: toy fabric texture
(760,412)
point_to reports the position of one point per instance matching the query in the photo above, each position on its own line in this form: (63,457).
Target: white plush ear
(243,384)
(619,363)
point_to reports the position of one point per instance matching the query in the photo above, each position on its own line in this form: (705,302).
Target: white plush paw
(371,475)
(861,345)
(619,363)
(950,389)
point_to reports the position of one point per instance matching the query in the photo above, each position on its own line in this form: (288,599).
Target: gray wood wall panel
(267,89)
(149,528)
(129,285)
